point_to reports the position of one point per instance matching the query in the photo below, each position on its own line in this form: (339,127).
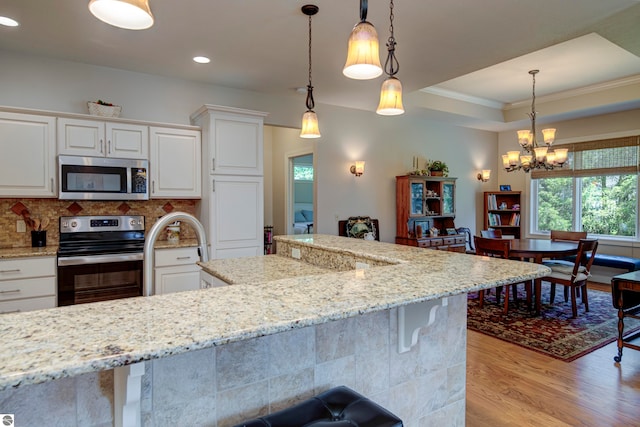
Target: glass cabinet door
(417,198)
(448,202)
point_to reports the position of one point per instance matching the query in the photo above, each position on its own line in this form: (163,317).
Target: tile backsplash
(54,209)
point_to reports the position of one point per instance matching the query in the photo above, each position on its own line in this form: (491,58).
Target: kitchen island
(222,355)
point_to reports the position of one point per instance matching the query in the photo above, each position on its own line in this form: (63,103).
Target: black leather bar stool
(337,407)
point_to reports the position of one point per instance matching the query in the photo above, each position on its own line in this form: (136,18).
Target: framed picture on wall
(505,188)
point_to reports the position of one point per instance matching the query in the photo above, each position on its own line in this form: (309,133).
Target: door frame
(288,196)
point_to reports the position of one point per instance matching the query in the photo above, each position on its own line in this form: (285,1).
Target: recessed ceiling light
(201,59)
(8,22)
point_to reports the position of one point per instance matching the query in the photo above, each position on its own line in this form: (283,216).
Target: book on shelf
(515,219)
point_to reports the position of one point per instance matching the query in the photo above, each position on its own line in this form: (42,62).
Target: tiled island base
(222,386)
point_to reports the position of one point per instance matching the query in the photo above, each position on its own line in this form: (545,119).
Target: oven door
(99,278)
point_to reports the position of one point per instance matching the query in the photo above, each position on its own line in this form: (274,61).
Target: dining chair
(574,275)
(491,233)
(498,248)
(468,240)
(567,236)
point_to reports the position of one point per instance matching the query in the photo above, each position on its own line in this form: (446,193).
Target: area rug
(554,332)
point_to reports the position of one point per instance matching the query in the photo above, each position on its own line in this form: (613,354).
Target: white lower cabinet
(236,216)
(210,281)
(176,270)
(27,284)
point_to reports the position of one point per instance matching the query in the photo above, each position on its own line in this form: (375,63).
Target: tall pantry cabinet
(232,205)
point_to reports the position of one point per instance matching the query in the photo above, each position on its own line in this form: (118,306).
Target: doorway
(300,205)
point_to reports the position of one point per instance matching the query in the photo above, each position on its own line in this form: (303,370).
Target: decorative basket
(96,109)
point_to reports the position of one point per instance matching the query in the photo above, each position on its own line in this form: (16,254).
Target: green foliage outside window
(608,204)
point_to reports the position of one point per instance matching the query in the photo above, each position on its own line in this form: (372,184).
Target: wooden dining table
(536,250)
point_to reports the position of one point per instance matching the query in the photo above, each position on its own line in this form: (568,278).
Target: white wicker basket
(96,109)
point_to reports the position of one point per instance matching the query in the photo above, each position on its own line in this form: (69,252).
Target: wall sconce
(358,168)
(484,175)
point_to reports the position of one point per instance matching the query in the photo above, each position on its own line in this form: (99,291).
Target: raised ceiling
(464,61)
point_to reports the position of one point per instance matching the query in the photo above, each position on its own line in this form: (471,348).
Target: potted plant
(438,168)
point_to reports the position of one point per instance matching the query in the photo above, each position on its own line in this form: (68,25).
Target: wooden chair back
(491,233)
(586,253)
(570,236)
(468,240)
(342,228)
(498,248)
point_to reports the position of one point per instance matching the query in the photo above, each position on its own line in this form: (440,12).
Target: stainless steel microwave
(101,178)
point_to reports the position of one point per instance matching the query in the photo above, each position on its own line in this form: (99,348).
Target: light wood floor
(508,385)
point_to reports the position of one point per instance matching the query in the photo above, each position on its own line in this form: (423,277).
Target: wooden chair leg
(514,291)
(498,294)
(505,309)
(574,304)
(552,293)
(528,286)
(481,298)
(566,293)
(585,298)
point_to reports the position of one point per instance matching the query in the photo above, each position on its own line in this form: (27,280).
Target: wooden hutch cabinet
(424,203)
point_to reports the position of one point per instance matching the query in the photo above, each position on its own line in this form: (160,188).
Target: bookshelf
(502,212)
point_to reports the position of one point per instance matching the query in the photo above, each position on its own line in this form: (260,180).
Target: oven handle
(98,259)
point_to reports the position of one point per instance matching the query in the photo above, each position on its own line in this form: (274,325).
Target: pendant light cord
(391,65)
(310,103)
(364,6)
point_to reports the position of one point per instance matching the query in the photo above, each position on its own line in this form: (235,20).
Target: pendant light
(363,54)
(391,92)
(309,118)
(127,14)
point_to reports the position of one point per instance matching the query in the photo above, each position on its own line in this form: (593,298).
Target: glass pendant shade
(561,155)
(514,156)
(391,98)
(540,153)
(127,14)
(505,161)
(363,55)
(310,127)
(524,137)
(549,135)
(551,157)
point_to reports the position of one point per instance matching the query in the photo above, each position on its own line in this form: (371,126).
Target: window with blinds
(604,157)
(596,191)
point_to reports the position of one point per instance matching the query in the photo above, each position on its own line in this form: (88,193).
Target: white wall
(387,144)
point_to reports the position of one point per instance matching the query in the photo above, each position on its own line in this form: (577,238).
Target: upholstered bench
(337,407)
(613,261)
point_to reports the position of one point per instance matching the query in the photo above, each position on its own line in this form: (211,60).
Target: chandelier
(533,156)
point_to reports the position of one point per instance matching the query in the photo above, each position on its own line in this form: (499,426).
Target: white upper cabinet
(235,140)
(95,138)
(27,155)
(174,163)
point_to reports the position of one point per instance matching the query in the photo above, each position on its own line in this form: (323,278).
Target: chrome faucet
(150,240)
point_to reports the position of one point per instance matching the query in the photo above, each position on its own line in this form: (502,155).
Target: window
(596,193)
(303,173)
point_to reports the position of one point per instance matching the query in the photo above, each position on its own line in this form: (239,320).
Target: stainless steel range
(100,258)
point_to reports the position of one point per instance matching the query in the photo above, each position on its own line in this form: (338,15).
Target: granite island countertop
(44,345)
(259,269)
